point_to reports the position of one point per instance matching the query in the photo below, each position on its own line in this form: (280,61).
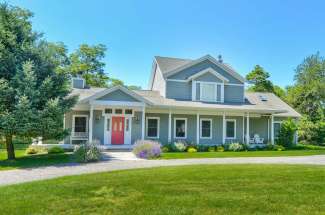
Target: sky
(276,34)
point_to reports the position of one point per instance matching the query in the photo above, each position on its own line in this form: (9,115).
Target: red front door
(117,130)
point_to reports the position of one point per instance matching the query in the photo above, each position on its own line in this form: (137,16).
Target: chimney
(78,82)
(220,58)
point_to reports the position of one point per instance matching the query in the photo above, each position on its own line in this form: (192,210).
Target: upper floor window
(208,92)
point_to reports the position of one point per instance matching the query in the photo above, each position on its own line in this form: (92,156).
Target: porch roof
(252,103)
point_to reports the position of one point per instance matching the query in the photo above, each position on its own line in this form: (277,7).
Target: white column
(198,128)
(143,122)
(268,129)
(90,125)
(169,127)
(272,129)
(193,90)
(243,129)
(224,128)
(247,129)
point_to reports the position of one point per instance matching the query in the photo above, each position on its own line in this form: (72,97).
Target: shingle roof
(252,103)
(167,63)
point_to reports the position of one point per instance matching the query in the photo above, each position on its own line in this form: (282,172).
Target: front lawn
(183,155)
(204,189)
(26,161)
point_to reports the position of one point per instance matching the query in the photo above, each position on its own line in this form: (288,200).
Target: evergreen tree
(259,78)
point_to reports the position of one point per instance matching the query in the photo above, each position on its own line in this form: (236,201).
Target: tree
(87,62)
(308,92)
(287,133)
(34,86)
(259,77)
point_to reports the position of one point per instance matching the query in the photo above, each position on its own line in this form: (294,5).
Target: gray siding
(118,95)
(208,77)
(201,66)
(136,127)
(98,126)
(179,90)
(234,93)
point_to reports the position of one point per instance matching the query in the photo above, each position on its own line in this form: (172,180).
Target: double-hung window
(231,129)
(153,127)
(206,128)
(180,128)
(80,125)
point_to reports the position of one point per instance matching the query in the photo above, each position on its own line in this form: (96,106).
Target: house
(201,101)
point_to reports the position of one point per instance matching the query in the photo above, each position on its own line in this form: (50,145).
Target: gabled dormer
(205,79)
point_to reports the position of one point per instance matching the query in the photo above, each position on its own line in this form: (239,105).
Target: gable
(208,77)
(192,70)
(118,95)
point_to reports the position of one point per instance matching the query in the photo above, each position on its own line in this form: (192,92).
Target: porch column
(224,128)
(272,129)
(243,135)
(90,126)
(143,122)
(169,127)
(197,128)
(247,129)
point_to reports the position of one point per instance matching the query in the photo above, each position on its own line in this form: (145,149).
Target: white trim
(235,128)
(158,126)
(202,83)
(213,60)
(272,129)
(127,134)
(175,119)
(232,84)
(177,80)
(143,122)
(208,70)
(117,103)
(197,128)
(193,90)
(107,134)
(247,129)
(206,119)
(91,120)
(243,134)
(185,81)
(223,128)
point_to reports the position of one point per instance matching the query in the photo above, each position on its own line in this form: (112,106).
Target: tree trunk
(10,148)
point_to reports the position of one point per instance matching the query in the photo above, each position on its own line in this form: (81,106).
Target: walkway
(127,161)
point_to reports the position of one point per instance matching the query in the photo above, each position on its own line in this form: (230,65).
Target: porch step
(123,156)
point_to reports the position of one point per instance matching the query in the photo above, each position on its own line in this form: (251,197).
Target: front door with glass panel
(117,130)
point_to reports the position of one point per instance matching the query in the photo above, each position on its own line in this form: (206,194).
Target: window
(231,128)
(180,128)
(80,124)
(276,129)
(108,124)
(206,128)
(153,127)
(128,111)
(108,111)
(118,111)
(208,92)
(127,126)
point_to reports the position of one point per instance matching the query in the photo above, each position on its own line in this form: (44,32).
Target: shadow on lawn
(29,161)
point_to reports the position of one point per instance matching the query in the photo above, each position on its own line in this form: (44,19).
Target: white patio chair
(258,139)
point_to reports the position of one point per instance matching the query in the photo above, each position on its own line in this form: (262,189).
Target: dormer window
(208,92)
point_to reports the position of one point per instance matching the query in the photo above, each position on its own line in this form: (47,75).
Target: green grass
(204,189)
(27,161)
(183,155)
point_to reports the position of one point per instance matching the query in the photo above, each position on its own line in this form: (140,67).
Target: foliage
(191,149)
(302,146)
(259,77)
(34,88)
(147,149)
(165,149)
(220,149)
(236,147)
(55,150)
(287,133)
(211,149)
(179,146)
(202,148)
(35,149)
(88,152)
(311,132)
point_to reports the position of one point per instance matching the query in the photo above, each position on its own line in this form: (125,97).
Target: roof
(253,102)
(168,63)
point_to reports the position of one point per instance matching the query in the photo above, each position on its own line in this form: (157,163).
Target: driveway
(128,161)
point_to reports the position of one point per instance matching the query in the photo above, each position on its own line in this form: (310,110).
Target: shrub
(55,150)
(165,149)
(220,149)
(202,148)
(179,146)
(278,148)
(287,133)
(35,149)
(236,147)
(191,149)
(211,149)
(147,149)
(88,152)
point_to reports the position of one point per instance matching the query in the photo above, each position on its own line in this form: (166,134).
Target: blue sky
(274,34)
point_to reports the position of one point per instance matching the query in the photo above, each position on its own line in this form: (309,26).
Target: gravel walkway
(129,162)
